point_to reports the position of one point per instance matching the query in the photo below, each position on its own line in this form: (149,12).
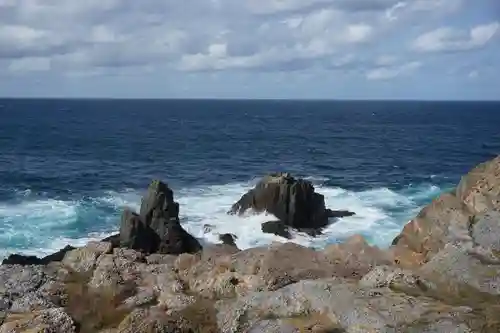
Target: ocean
(69,167)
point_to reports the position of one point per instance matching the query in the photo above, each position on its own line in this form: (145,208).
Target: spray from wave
(40,225)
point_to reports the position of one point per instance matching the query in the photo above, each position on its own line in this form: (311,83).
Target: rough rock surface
(293,201)
(447,219)
(157,228)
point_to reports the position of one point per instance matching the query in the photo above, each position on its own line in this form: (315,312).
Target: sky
(284,49)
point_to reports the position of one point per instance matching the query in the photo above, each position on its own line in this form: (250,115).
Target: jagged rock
(455,267)
(136,234)
(486,231)
(277,228)
(339,213)
(153,321)
(84,259)
(265,268)
(352,309)
(50,320)
(479,190)
(293,201)
(19,259)
(158,203)
(21,280)
(273,326)
(228,239)
(358,255)
(447,219)
(397,279)
(157,228)
(165,259)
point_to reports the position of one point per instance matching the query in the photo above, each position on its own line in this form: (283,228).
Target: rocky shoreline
(441,274)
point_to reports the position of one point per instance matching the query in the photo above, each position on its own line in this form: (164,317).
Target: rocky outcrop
(157,228)
(448,219)
(277,228)
(293,201)
(19,259)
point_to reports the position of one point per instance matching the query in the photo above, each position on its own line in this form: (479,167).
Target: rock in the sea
(277,228)
(157,228)
(228,239)
(293,201)
(19,259)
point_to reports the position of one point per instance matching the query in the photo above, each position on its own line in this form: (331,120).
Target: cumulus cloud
(390,72)
(95,36)
(449,39)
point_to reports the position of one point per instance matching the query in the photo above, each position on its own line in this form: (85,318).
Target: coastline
(445,263)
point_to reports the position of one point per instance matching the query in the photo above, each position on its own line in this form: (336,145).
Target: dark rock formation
(293,201)
(339,213)
(277,228)
(19,259)
(228,239)
(157,228)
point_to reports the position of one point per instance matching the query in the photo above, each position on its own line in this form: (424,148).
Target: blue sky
(327,49)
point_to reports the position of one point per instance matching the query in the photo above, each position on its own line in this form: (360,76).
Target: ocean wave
(40,225)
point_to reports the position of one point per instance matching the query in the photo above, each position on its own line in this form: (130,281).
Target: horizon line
(242,99)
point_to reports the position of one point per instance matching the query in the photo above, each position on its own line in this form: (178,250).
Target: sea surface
(69,167)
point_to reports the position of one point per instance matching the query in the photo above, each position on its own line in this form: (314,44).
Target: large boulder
(157,228)
(449,217)
(293,201)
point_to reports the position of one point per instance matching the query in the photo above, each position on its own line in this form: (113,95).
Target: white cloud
(384,73)
(404,9)
(29,64)
(449,39)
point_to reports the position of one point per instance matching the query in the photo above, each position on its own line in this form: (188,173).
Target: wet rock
(19,259)
(136,234)
(339,213)
(23,260)
(293,201)
(228,239)
(277,228)
(158,204)
(157,228)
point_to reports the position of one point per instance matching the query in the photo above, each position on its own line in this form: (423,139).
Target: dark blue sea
(68,167)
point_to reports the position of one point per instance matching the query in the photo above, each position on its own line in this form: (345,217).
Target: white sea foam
(42,226)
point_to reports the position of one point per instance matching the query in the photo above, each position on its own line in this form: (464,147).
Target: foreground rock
(449,218)
(157,228)
(293,201)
